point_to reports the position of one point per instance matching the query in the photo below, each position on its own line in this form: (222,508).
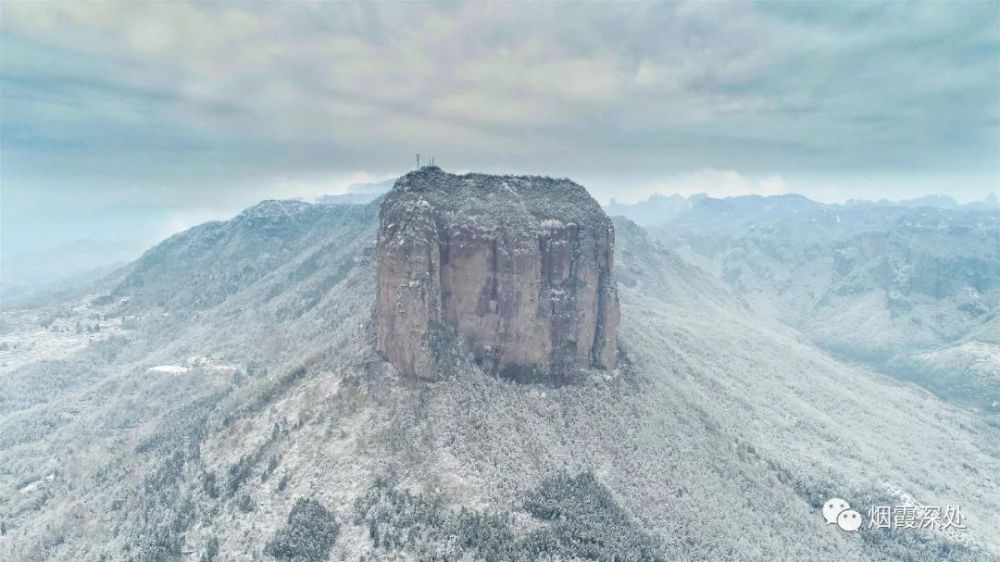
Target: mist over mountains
(357,194)
(658,209)
(220,398)
(897,286)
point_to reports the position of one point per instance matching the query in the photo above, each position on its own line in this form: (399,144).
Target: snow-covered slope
(231,407)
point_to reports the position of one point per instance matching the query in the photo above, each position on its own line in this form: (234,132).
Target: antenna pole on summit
(418,160)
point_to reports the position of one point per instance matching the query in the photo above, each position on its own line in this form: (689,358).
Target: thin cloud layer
(212,105)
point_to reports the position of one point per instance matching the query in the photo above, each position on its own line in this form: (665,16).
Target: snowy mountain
(357,194)
(876,283)
(221,399)
(653,211)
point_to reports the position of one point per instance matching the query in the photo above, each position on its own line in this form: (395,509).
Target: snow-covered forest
(220,399)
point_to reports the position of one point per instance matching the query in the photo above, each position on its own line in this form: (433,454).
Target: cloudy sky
(157,115)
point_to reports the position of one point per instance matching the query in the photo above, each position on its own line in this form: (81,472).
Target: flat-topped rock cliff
(516,268)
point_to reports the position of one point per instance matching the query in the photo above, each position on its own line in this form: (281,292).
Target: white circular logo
(849,520)
(832,508)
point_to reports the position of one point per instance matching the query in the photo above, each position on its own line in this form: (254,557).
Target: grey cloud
(180,96)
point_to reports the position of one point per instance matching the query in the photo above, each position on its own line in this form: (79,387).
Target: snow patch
(168,370)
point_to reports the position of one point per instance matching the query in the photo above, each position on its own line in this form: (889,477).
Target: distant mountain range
(358,194)
(65,266)
(894,285)
(659,209)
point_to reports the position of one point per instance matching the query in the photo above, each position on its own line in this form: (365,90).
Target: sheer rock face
(518,268)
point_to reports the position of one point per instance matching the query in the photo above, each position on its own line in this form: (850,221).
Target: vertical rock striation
(518,268)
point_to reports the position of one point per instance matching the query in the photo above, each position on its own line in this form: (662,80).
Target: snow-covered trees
(309,535)
(572,517)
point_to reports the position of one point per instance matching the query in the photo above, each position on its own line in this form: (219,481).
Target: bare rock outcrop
(516,269)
